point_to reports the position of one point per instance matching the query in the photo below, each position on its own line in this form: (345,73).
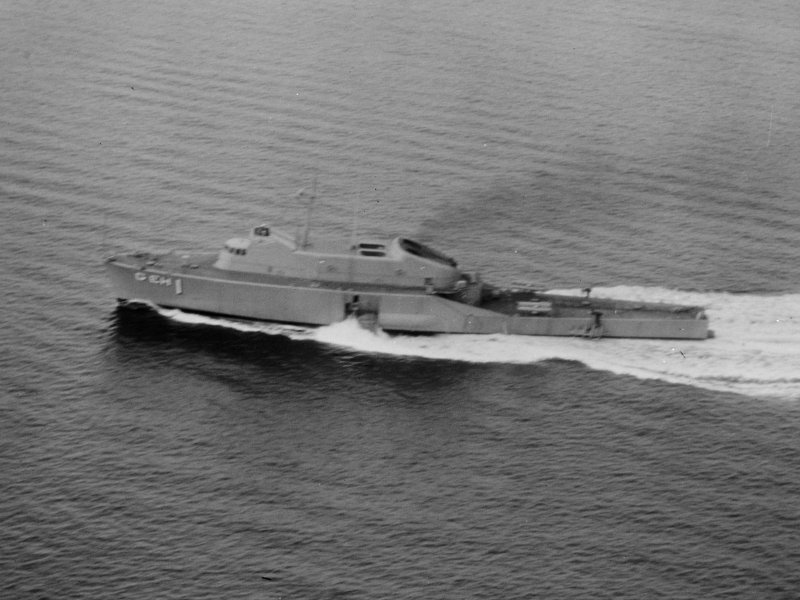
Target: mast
(354,231)
(309,210)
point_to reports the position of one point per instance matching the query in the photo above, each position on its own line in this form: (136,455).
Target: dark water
(648,149)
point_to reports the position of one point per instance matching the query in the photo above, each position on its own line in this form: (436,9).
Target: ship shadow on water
(194,360)
(142,338)
(139,325)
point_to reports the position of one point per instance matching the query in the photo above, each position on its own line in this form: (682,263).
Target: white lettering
(152,278)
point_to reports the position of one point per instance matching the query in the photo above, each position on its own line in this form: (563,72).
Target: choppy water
(647,149)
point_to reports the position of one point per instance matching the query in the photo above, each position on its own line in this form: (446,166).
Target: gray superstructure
(401,285)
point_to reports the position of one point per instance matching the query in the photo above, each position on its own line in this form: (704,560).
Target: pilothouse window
(371,249)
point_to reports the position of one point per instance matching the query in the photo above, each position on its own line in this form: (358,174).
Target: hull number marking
(154,279)
(159,280)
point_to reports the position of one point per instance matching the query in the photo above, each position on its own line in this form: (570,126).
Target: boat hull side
(653,328)
(210,291)
(205,293)
(434,314)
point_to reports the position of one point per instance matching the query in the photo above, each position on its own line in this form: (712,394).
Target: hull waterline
(194,283)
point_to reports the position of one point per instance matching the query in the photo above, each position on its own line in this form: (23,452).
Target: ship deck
(508,302)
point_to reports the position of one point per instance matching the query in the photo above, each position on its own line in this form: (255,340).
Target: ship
(397,285)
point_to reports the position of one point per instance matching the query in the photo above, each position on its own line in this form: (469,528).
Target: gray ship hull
(193,284)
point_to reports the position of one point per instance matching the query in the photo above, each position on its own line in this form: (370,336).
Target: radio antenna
(354,231)
(309,210)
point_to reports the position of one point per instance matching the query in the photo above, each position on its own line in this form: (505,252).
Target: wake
(755,351)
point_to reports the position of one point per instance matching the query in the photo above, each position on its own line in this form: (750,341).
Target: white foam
(756,350)
(291,331)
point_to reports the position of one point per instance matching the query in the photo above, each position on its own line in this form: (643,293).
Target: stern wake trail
(755,351)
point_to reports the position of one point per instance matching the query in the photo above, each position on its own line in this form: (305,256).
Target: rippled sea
(647,149)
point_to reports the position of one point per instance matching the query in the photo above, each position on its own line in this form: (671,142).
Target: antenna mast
(354,231)
(309,209)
